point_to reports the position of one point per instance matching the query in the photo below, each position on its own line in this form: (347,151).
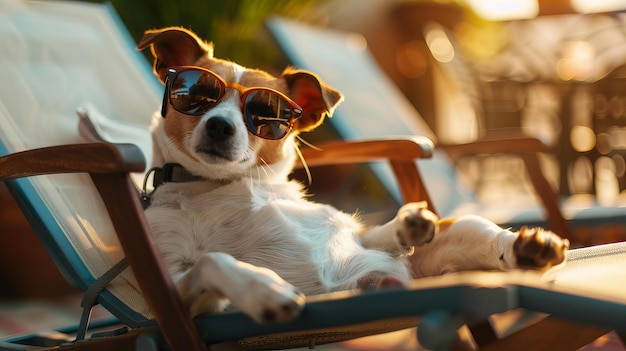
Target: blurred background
(552,69)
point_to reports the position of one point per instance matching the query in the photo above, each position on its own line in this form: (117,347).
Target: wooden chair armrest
(341,152)
(528,149)
(96,158)
(401,152)
(509,145)
(109,165)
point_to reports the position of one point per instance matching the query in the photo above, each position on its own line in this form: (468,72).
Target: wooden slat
(400,149)
(93,158)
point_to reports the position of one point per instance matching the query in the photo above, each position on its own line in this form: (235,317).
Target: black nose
(219,128)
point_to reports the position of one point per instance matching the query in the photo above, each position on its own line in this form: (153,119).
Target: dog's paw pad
(282,312)
(538,248)
(270,299)
(416,225)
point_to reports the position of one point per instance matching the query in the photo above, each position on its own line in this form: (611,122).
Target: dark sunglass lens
(194,92)
(267,114)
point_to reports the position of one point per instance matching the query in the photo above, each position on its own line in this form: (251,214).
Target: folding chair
(57,56)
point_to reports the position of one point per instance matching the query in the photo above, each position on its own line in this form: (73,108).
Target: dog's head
(220,120)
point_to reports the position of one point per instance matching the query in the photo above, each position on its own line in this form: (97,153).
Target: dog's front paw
(218,279)
(267,298)
(416,225)
(539,249)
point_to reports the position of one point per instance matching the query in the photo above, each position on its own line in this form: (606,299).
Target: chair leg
(548,334)
(483,332)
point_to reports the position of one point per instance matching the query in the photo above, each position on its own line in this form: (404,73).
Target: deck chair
(379,108)
(81,199)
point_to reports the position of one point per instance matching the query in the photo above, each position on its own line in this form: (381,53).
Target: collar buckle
(169,173)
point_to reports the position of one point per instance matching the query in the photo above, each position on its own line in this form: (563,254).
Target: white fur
(470,243)
(265,224)
(270,225)
(239,70)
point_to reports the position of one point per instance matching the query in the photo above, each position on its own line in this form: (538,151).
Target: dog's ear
(316,98)
(174,46)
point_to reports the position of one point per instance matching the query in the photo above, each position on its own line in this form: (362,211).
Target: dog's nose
(219,128)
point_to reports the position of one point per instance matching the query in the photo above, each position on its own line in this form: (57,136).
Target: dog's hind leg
(475,243)
(538,248)
(414,225)
(218,278)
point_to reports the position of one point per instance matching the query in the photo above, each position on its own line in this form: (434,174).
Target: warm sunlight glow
(439,45)
(607,187)
(356,42)
(580,175)
(577,61)
(582,138)
(503,10)
(591,6)
(411,59)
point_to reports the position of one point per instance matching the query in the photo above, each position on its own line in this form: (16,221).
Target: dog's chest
(268,225)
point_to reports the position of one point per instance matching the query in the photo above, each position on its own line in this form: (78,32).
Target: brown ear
(316,98)
(174,46)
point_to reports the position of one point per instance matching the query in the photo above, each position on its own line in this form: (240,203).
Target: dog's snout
(219,128)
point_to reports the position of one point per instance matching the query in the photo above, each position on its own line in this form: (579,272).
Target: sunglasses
(267,113)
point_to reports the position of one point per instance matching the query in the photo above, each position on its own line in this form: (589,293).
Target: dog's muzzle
(219,129)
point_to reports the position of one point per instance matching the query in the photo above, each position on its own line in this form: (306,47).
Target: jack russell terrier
(233,230)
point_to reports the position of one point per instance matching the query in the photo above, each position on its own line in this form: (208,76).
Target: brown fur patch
(179,127)
(173,46)
(445,223)
(256,78)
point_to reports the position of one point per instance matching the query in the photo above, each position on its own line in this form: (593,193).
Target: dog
(233,231)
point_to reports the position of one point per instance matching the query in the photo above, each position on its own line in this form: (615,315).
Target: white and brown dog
(233,229)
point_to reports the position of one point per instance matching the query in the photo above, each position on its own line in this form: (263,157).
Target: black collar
(169,173)
(172,173)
